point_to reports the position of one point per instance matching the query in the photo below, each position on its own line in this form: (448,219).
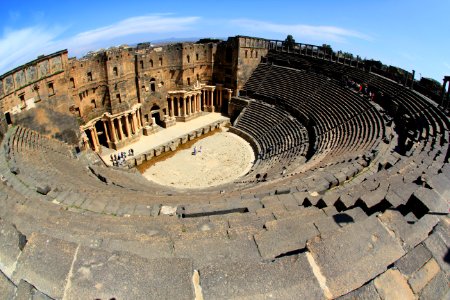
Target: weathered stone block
(12,243)
(7,288)
(392,285)
(366,292)
(284,238)
(45,263)
(98,274)
(354,255)
(285,278)
(413,260)
(421,278)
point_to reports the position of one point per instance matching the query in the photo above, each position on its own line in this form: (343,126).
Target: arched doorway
(101,134)
(90,139)
(156,114)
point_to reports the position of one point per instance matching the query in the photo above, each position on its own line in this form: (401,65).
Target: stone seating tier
(357,219)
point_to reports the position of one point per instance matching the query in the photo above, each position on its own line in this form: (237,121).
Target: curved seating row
(345,226)
(283,140)
(339,121)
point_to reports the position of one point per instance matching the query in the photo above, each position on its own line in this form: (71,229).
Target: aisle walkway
(165,135)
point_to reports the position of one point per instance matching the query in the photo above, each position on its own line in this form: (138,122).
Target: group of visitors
(197,151)
(120,158)
(361,88)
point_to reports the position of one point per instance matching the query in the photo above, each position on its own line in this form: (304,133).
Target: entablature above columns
(109,117)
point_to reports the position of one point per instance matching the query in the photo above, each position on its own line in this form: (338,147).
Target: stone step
(26,291)
(284,278)
(67,270)
(284,237)
(45,263)
(12,243)
(410,233)
(97,274)
(204,252)
(7,288)
(354,254)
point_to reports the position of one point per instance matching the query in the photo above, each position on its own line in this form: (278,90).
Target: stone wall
(250,51)
(35,95)
(116,80)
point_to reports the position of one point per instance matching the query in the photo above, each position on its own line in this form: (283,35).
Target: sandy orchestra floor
(224,157)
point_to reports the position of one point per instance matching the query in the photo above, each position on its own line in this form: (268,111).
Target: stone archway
(101,134)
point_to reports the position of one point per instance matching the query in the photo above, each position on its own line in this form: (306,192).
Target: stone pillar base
(123,143)
(169,122)
(188,118)
(148,130)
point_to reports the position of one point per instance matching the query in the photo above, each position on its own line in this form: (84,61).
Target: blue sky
(410,34)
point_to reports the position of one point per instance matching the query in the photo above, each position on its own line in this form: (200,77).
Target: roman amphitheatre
(253,169)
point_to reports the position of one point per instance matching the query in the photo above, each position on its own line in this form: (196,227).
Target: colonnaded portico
(185,105)
(113,131)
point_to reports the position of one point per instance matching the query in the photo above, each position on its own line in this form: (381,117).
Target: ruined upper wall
(249,56)
(237,58)
(116,79)
(36,95)
(35,81)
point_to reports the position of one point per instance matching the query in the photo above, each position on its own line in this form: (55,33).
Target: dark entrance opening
(101,134)
(155,110)
(90,139)
(175,107)
(8,118)
(224,108)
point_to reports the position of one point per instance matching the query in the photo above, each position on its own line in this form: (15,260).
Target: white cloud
(154,24)
(22,45)
(319,33)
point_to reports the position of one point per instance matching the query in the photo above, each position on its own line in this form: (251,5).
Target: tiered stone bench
(360,217)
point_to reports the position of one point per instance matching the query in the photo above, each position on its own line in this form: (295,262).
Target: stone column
(171,107)
(138,118)
(94,136)
(197,102)
(119,122)
(203,99)
(230,93)
(135,123)
(106,131)
(184,106)
(448,95)
(133,128)
(188,101)
(127,126)
(212,100)
(113,131)
(444,84)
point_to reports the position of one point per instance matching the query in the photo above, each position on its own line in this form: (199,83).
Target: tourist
(195,151)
